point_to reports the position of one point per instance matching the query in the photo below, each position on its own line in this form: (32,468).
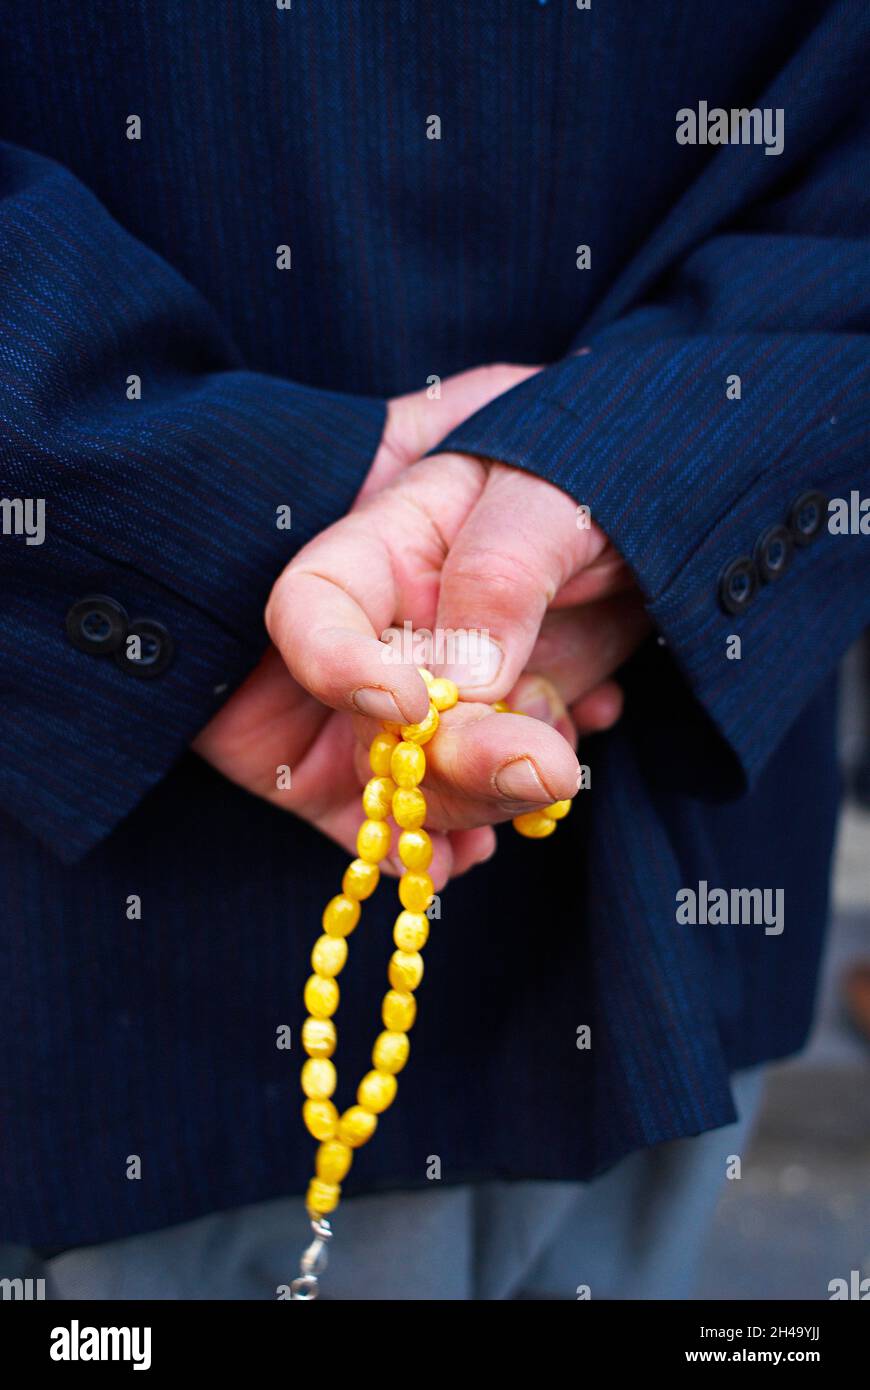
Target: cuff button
(96,625)
(737,585)
(807,516)
(773,552)
(147,649)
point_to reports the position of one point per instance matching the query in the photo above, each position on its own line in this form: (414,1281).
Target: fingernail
(540,699)
(482,664)
(519,781)
(378,704)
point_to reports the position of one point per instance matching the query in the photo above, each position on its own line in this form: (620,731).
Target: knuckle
(503,577)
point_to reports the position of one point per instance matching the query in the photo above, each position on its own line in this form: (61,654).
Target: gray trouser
(637,1232)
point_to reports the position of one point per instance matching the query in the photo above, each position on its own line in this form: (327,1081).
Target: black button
(155,645)
(96,625)
(773,552)
(806,517)
(737,585)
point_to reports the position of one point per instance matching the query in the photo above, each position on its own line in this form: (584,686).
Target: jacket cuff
(685,481)
(86,733)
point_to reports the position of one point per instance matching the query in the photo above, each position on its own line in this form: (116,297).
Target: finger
(599,710)
(498,764)
(485,768)
(608,575)
(471,847)
(468,846)
(580,648)
(344,589)
(537,696)
(418,421)
(330,644)
(518,548)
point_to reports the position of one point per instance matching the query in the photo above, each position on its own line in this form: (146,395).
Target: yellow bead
(321,996)
(318,1078)
(557,811)
(427,676)
(409,808)
(357,1126)
(534,825)
(322,1197)
(390,1052)
(321,1118)
(501,707)
(408,765)
(443,693)
(329,955)
(376,1091)
(411,931)
(405,970)
(373,840)
(427,728)
(360,880)
(415,849)
(341,914)
(380,751)
(398,1011)
(318,1037)
(377,797)
(332,1161)
(416,891)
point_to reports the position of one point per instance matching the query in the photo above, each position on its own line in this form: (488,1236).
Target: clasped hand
(452,544)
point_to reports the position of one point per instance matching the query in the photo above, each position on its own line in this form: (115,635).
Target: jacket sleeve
(167,504)
(721,395)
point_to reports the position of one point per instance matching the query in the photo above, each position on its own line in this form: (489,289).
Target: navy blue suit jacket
(411,256)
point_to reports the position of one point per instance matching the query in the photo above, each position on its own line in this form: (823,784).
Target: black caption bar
(157,1339)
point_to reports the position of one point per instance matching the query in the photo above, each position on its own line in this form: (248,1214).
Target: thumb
(518,547)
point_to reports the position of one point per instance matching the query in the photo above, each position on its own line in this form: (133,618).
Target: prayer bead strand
(398,765)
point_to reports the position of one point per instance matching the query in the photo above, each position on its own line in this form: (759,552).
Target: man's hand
(271,721)
(554,595)
(450,543)
(461,547)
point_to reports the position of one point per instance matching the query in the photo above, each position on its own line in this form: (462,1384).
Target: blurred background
(800,1214)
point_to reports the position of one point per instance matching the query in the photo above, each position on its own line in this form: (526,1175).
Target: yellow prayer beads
(341,913)
(376,1091)
(411,931)
(321,1118)
(416,891)
(415,849)
(360,881)
(390,1052)
(321,996)
(409,808)
(373,841)
(332,1161)
(399,1010)
(398,765)
(319,1037)
(357,1126)
(377,797)
(407,764)
(329,955)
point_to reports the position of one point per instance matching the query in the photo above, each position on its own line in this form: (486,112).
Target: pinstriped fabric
(636,422)
(409,257)
(196,471)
